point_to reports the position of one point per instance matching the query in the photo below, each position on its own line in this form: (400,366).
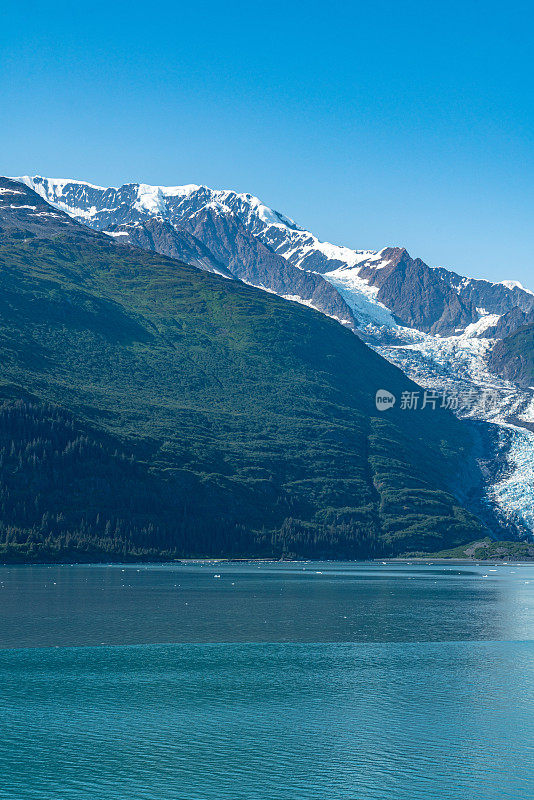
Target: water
(270,682)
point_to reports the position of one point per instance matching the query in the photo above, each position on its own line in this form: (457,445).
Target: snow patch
(480,326)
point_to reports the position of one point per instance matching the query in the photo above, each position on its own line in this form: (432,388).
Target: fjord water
(266,681)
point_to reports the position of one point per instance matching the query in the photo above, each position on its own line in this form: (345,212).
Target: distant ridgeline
(153,410)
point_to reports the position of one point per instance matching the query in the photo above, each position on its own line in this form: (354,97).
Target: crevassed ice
(515,493)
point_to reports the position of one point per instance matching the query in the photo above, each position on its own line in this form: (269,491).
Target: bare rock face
(158,235)
(421,297)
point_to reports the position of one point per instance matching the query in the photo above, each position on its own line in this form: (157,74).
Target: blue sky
(372,124)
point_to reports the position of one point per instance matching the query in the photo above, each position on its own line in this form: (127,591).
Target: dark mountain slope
(154,410)
(418,295)
(251,261)
(510,323)
(24,213)
(513,357)
(160,236)
(436,300)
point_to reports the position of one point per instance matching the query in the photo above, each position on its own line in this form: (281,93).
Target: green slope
(153,410)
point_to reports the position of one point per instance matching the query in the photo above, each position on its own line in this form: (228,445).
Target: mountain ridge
(458,302)
(437,326)
(251,420)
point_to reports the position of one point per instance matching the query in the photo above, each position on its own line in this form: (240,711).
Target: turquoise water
(312,682)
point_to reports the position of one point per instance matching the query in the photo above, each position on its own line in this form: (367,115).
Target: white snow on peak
(340,253)
(51,190)
(515,285)
(463,282)
(278,231)
(296,244)
(31,184)
(269,225)
(256,208)
(216,205)
(150,199)
(57,185)
(180,191)
(299,245)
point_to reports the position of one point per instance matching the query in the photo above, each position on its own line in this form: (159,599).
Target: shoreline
(428,560)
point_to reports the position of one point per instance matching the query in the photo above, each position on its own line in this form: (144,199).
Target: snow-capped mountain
(434,300)
(438,326)
(198,212)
